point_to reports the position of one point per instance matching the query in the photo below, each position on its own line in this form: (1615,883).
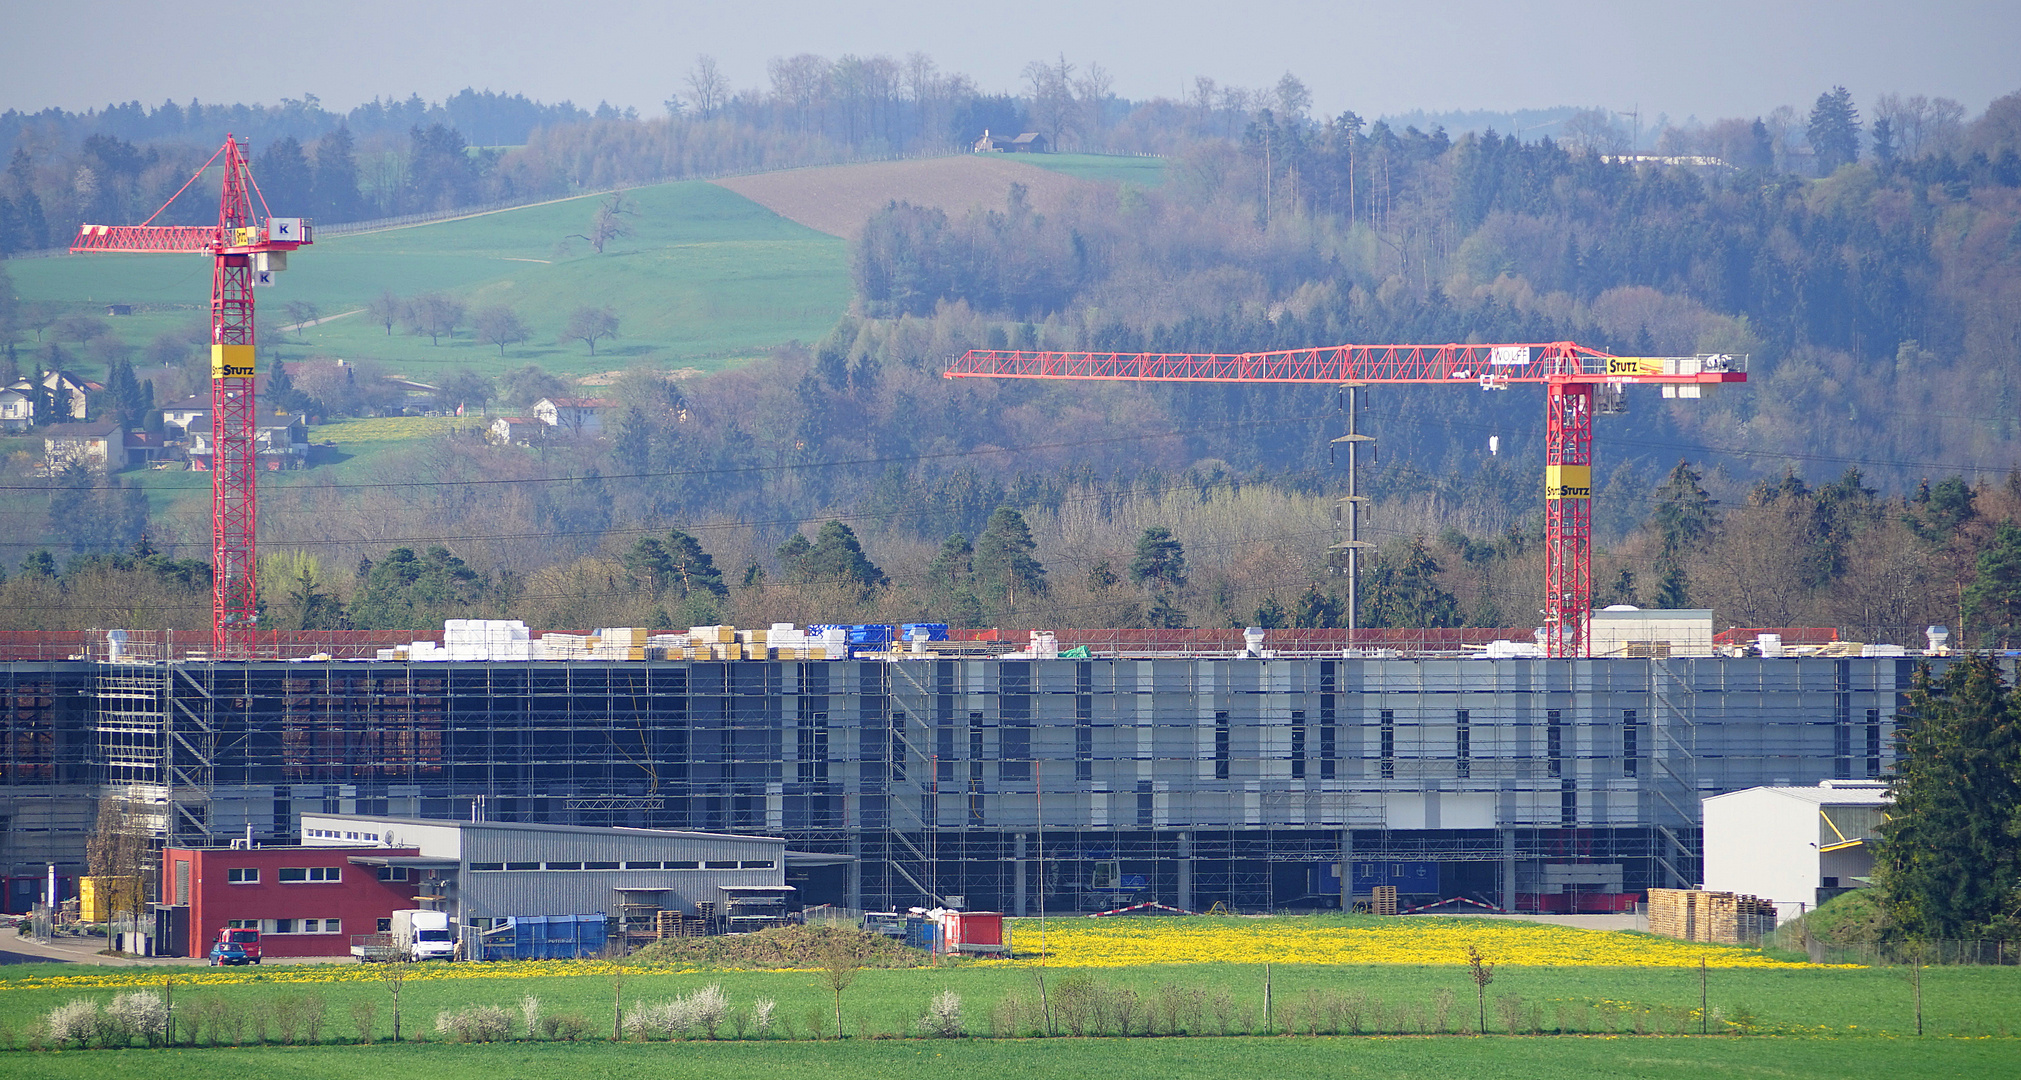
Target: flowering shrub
(477,1023)
(138,1012)
(73,1022)
(943,1016)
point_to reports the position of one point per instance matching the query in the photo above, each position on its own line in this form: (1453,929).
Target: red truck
(245,938)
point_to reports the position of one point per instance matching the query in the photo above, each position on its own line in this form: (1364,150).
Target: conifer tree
(1949,862)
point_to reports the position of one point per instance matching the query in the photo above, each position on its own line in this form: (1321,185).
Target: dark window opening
(1463,744)
(1630,742)
(1554,742)
(1221,746)
(1298,746)
(1873,744)
(1388,746)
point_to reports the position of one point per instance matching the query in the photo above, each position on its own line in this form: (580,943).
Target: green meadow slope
(707,278)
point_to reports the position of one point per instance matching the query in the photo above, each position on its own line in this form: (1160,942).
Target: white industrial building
(1797,846)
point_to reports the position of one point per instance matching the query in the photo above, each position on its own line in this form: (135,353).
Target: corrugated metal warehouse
(483,871)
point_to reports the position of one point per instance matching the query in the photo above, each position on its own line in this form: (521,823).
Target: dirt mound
(779,947)
(839,199)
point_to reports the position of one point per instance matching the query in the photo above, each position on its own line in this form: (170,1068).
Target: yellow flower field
(1123,942)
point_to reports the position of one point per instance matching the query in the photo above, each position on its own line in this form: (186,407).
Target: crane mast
(1578,382)
(244,249)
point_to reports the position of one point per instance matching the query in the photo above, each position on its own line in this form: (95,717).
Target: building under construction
(1192,778)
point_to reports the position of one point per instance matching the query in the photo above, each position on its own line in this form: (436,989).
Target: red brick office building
(305,901)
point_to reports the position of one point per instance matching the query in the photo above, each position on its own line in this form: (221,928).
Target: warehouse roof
(1828,793)
(579,830)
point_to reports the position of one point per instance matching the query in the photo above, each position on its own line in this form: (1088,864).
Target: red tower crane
(244,249)
(1577,382)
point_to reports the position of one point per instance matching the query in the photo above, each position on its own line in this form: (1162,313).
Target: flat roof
(1838,793)
(526,826)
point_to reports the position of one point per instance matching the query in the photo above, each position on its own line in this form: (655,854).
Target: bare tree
(801,84)
(1921,125)
(1293,99)
(116,853)
(609,223)
(922,80)
(1052,91)
(501,326)
(302,314)
(588,324)
(393,976)
(1482,973)
(435,314)
(1094,89)
(707,87)
(841,957)
(386,310)
(1595,131)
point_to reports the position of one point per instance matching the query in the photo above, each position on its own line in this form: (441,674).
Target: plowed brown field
(839,199)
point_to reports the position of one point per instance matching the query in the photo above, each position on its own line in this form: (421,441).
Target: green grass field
(707,278)
(1810,1022)
(1144,172)
(1066,1059)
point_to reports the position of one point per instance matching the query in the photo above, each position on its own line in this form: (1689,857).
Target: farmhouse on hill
(572,415)
(1031,142)
(515,431)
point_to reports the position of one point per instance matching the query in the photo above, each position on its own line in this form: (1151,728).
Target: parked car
(229,955)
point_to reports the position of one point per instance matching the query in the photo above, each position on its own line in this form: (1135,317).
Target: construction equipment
(245,251)
(1577,382)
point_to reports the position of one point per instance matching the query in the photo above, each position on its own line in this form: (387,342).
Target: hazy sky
(1708,58)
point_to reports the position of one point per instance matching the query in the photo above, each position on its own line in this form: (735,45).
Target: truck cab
(245,938)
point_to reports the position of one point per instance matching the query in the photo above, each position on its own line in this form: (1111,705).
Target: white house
(177,416)
(99,443)
(71,395)
(1797,846)
(572,415)
(515,431)
(17,409)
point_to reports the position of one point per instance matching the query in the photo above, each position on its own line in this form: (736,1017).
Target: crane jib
(1579,383)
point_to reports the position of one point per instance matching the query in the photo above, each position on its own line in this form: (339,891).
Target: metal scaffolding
(1006,782)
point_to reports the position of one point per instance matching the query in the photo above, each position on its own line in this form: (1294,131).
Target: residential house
(1031,142)
(17,409)
(98,443)
(177,416)
(72,395)
(145,448)
(516,431)
(280,444)
(71,392)
(572,416)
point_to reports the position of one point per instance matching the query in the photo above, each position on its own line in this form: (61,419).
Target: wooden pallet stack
(1721,918)
(1383,900)
(673,924)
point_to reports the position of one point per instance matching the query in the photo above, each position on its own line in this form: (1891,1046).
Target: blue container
(551,937)
(923,631)
(923,934)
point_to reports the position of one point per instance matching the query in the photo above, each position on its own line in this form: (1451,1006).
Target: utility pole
(1353,546)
